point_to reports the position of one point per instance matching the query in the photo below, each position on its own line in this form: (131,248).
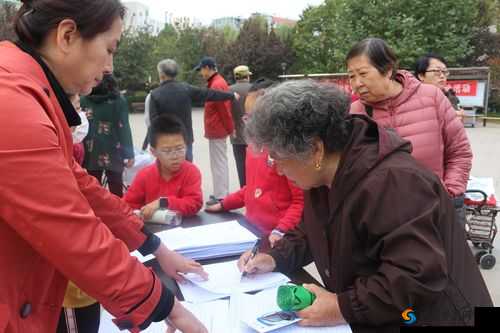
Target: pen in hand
(255,249)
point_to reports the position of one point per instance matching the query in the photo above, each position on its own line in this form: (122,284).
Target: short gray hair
(168,67)
(289,117)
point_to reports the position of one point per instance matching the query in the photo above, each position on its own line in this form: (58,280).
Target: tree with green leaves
(7,13)
(134,62)
(326,33)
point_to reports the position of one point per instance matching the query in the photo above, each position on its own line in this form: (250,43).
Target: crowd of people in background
(307,155)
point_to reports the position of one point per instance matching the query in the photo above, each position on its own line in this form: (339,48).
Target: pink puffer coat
(422,114)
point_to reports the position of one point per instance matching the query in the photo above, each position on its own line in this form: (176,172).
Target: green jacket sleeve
(124,132)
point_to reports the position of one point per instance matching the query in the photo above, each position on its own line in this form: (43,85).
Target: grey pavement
(485,143)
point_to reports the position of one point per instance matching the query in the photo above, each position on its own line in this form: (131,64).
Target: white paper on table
(225,278)
(206,235)
(206,241)
(244,310)
(195,294)
(214,315)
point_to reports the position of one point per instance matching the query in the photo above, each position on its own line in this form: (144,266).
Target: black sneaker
(212,201)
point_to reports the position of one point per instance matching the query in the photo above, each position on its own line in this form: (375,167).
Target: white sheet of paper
(225,278)
(195,294)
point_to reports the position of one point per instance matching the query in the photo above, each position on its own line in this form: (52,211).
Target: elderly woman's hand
(325,310)
(261,263)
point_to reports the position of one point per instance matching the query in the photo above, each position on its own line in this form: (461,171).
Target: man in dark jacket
(176,98)
(218,126)
(380,227)
(241,87)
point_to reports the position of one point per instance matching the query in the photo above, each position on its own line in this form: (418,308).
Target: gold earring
(318,165)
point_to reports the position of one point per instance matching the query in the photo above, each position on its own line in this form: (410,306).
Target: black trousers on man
(240,154)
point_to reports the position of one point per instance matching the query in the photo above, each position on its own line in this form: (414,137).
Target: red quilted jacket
(422,114)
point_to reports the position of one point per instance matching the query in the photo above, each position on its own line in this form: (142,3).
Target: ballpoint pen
(255,249)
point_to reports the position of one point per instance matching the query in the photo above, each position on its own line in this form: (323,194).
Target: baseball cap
(242,71)
(206,61)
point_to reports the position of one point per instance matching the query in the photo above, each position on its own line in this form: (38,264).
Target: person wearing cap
(175,98)
(218,126)
(241,87)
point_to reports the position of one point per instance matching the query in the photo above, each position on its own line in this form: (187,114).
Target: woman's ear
(421,77)
(67,35)
(318,150)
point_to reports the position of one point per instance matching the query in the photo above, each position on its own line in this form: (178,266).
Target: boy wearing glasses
(171,182)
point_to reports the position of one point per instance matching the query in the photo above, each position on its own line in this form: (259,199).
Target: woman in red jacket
(56,222)
(273,203)
(418,112)
(172,178)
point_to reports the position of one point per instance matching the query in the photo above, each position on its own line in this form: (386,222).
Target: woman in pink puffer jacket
(418,112)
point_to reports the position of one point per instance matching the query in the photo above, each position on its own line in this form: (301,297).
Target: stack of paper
(225,279)
(207,241)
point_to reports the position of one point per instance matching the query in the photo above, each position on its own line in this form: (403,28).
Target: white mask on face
(82,130)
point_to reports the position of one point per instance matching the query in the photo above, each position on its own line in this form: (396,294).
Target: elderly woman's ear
(318,153)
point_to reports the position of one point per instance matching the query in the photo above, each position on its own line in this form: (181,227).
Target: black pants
(114,180)
(80,320)
(240,153)
(458,203)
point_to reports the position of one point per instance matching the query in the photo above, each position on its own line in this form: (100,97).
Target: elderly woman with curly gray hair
(379,226)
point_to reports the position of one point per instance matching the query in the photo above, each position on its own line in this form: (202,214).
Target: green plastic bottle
(291,297)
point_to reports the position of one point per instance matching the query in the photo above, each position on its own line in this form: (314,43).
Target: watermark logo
(409,316)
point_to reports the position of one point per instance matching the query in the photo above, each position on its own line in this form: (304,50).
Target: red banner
(342,83)
(463,87)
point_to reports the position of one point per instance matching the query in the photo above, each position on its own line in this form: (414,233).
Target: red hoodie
(271,200)
(183,190)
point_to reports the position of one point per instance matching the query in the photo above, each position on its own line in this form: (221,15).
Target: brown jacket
(384,239)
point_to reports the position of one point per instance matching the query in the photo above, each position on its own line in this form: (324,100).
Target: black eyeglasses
(445,72)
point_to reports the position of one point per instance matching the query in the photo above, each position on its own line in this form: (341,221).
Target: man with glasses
(432,69)
(171,182)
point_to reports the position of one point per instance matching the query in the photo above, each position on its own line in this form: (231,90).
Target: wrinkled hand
(130,163)
(325,310)
(214,208)
(273,238)
(172,263)
(148,210)
(183,320)
(261,263)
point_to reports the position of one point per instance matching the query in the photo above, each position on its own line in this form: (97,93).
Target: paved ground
(485,143)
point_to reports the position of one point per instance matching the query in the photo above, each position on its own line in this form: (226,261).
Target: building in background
(138,17)
(232,22)
(181,22)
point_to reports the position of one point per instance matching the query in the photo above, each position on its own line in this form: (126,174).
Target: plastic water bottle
(291,297)
(166,216)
